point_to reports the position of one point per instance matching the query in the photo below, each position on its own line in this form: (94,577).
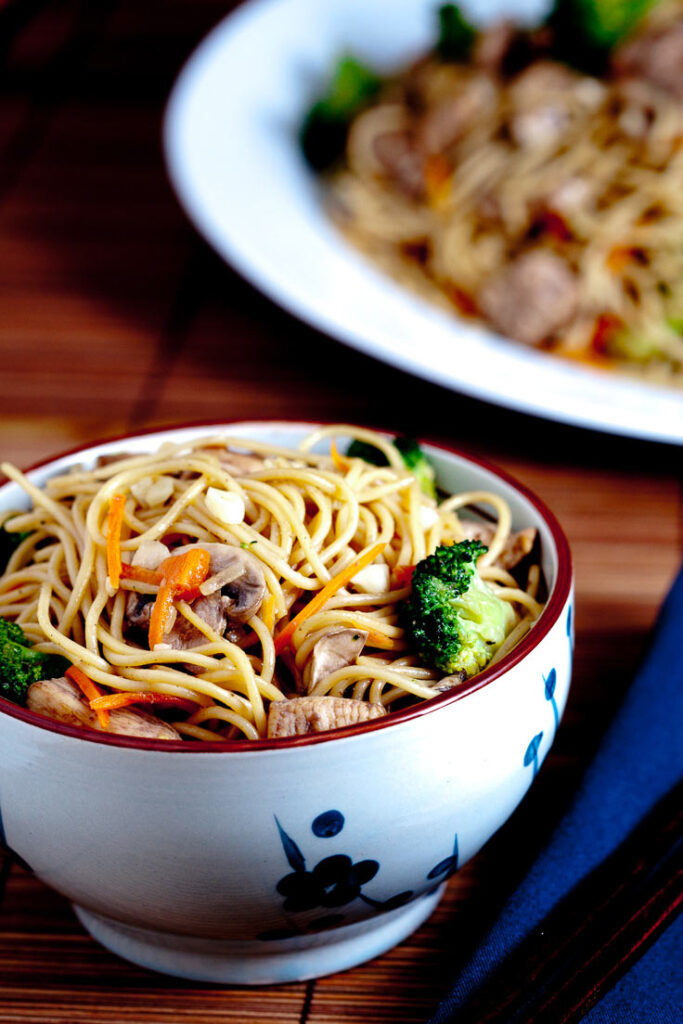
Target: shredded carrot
(142,575)
(340,461)
(437,176)
(89,690)
(180,574)
(606,326)
(268,612)
(284,637)
(375,639)
(404,575)
(114,524)
(111,701)
(619,258)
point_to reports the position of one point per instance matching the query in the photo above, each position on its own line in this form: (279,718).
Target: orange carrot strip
(142,575)
(375,639)
(161,614)
(404,575)
(111,701)
(114,524)
(89,690)
(340,461)
(180,574)
(331,587)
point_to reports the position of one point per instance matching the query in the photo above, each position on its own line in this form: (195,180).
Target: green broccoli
(414,458)
(456,35)
(587,30)
(325,127)
(21,665)
(9,542)
(453,617)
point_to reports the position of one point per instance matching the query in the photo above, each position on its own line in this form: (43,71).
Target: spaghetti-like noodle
(306,518)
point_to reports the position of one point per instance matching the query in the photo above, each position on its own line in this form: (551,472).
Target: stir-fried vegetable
(456,35)
(323,136)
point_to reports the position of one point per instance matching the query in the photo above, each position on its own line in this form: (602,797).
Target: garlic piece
(373,579)
(428,517)
(149,491)
(226,506)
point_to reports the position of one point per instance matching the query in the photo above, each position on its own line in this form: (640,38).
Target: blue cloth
(639,761)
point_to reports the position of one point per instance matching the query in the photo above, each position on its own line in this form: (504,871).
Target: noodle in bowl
(386,808)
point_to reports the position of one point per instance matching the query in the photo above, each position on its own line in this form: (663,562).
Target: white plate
(231,146)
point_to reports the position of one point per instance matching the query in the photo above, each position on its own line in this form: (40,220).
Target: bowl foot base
(258,962)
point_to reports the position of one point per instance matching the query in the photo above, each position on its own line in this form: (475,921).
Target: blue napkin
(621,824)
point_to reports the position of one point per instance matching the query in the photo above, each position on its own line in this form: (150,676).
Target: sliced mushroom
(301,715)
(149,555)
(62,701)
(449,682)
(244,594)
(338,648)
(517,546)
(234,602)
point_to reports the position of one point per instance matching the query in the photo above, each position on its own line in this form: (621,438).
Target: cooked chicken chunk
(517,547)
(338,648)
(302,715)
(656,55)
(62,701)
(531,298)
(401,161)
(447,120)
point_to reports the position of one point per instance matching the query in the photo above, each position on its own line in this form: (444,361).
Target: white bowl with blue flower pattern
(280,860)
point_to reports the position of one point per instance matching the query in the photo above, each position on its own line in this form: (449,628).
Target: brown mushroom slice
(448,682)
(62,701)
(338,648)
(234,602)
(517,546)
(245,592)
(302,715)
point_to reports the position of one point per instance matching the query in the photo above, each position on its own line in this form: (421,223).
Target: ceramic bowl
(284,860)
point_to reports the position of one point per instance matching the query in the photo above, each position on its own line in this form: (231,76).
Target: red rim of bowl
(548,618)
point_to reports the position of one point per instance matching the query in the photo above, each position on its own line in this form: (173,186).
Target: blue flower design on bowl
(333,882)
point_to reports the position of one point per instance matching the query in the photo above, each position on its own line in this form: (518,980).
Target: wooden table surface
(114,315)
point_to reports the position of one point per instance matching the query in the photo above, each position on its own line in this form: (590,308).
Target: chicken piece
(517,546)
(656,55)
(449,119)
(301,715)
(531,297)
(540,98)
(338,648)
(401,161)
(493,44)
(62,701)
(237,463)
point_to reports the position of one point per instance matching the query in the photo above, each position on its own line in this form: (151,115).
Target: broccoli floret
(587,30)
(21,665)
(456,35)
(325,127)
(414,458)
(418,463)
(9,542)
(454,619)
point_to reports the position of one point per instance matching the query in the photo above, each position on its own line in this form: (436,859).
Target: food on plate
(529,178)
(227,588)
